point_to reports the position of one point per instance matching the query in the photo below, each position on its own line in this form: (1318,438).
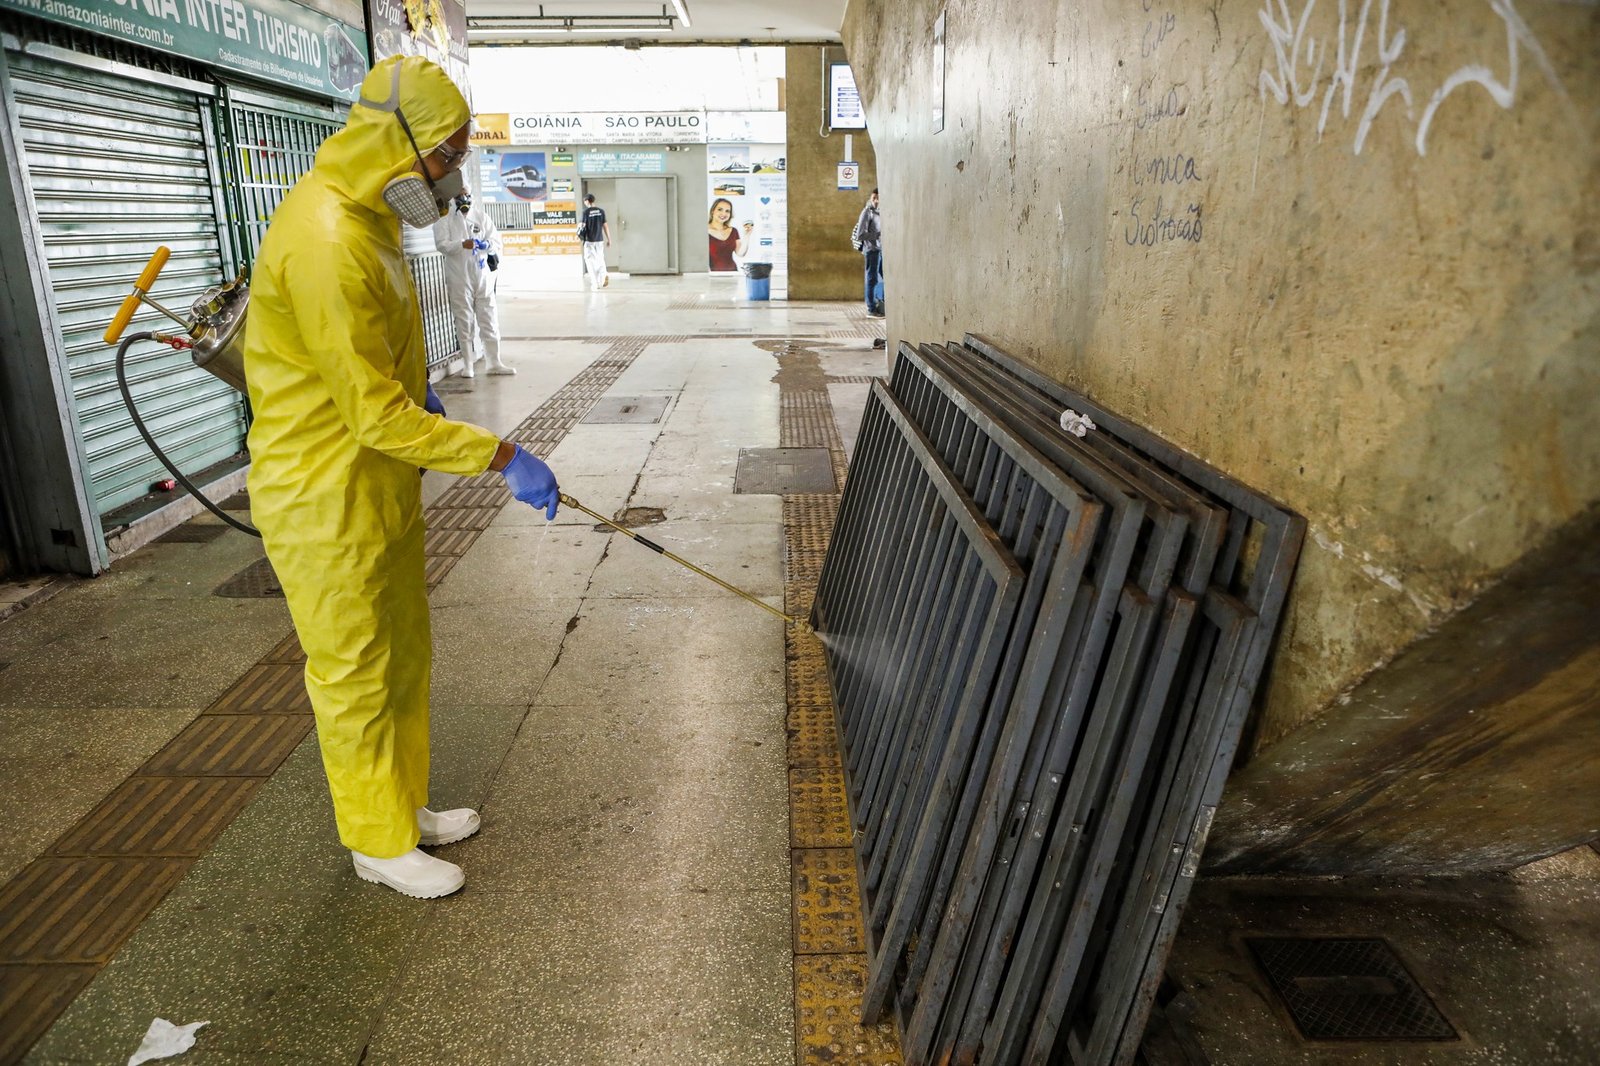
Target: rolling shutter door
(116,168)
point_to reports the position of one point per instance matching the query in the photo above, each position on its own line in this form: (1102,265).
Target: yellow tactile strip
(830,964)
(828,996)
(65,914)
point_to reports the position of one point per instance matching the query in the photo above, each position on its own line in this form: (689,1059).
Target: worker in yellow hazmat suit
(337,374)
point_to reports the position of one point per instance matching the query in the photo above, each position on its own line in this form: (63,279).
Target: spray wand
(568,501)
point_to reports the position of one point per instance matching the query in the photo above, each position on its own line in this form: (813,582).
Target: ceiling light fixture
(682,7)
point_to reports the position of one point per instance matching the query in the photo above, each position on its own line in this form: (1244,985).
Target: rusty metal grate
(1348,988)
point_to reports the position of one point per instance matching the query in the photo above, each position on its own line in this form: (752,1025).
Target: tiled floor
(620,723)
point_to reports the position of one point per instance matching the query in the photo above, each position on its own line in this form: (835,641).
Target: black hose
(138,423)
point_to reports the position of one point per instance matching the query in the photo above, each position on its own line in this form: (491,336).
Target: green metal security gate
(269,145)
(116,167)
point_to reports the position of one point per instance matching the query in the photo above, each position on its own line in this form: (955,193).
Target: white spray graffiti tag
(1296,76)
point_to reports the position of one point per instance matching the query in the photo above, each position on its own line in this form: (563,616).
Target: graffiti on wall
(1358,68)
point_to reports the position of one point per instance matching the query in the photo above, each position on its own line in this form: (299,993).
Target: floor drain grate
(1348,988)
(782,471)
(619,410)
(256,581)
(193,533)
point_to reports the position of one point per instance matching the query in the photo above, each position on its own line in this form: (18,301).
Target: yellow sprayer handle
(130,305)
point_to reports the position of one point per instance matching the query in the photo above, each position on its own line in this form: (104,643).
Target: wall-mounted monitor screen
(844,103)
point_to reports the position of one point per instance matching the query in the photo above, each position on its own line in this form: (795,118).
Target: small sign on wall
(849,177)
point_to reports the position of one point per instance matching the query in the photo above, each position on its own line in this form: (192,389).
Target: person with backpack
(867,238)
(595,233)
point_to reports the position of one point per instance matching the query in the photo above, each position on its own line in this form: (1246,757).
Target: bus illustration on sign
(523,175)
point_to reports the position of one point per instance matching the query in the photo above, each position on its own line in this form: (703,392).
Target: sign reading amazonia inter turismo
(275,40)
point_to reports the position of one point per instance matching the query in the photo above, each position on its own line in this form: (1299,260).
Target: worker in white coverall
(470,244)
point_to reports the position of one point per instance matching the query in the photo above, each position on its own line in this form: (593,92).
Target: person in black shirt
(595,233)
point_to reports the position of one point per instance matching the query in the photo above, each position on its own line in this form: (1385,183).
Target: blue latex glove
(532,482)
(433,405)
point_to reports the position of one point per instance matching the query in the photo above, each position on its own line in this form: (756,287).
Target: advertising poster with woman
(747,215)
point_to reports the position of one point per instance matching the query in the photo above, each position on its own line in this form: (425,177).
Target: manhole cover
(1348,988)
(192,533)
(616,410)
(634,517)
(784,471)
(256,581)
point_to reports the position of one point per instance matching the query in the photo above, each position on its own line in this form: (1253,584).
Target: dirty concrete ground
(619,722)
(1512,962)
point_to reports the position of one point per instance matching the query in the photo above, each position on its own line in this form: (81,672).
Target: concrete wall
(1348,253)
(822,265)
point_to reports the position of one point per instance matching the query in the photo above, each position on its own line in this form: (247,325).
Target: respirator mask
(418,199)
(420,202)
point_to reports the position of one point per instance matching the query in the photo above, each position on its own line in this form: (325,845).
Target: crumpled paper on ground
(1076,424)
(165,1040)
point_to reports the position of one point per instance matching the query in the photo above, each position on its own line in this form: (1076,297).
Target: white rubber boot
(501,370)
(446,827)
(416,874)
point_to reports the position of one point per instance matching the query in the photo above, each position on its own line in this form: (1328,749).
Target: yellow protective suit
(337,372)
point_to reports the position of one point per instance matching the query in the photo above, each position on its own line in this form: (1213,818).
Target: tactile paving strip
(67,913)
(80,910)
(448,541)
(829,969)
(827,996)
(827,904)
(31,998)
(268,686)
(812,741)
(819,815)
(230,745)
(173,817)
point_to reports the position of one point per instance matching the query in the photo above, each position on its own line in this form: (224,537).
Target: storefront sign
(274,40)
(596,164)
(432,29)
(490,131)
(551,241)
(608,127)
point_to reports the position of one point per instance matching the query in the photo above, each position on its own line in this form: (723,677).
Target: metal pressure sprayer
(213,334)
(215,326)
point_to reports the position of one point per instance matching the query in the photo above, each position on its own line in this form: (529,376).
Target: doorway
(643,213)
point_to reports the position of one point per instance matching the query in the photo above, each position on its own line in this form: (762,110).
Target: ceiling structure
(668,22)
